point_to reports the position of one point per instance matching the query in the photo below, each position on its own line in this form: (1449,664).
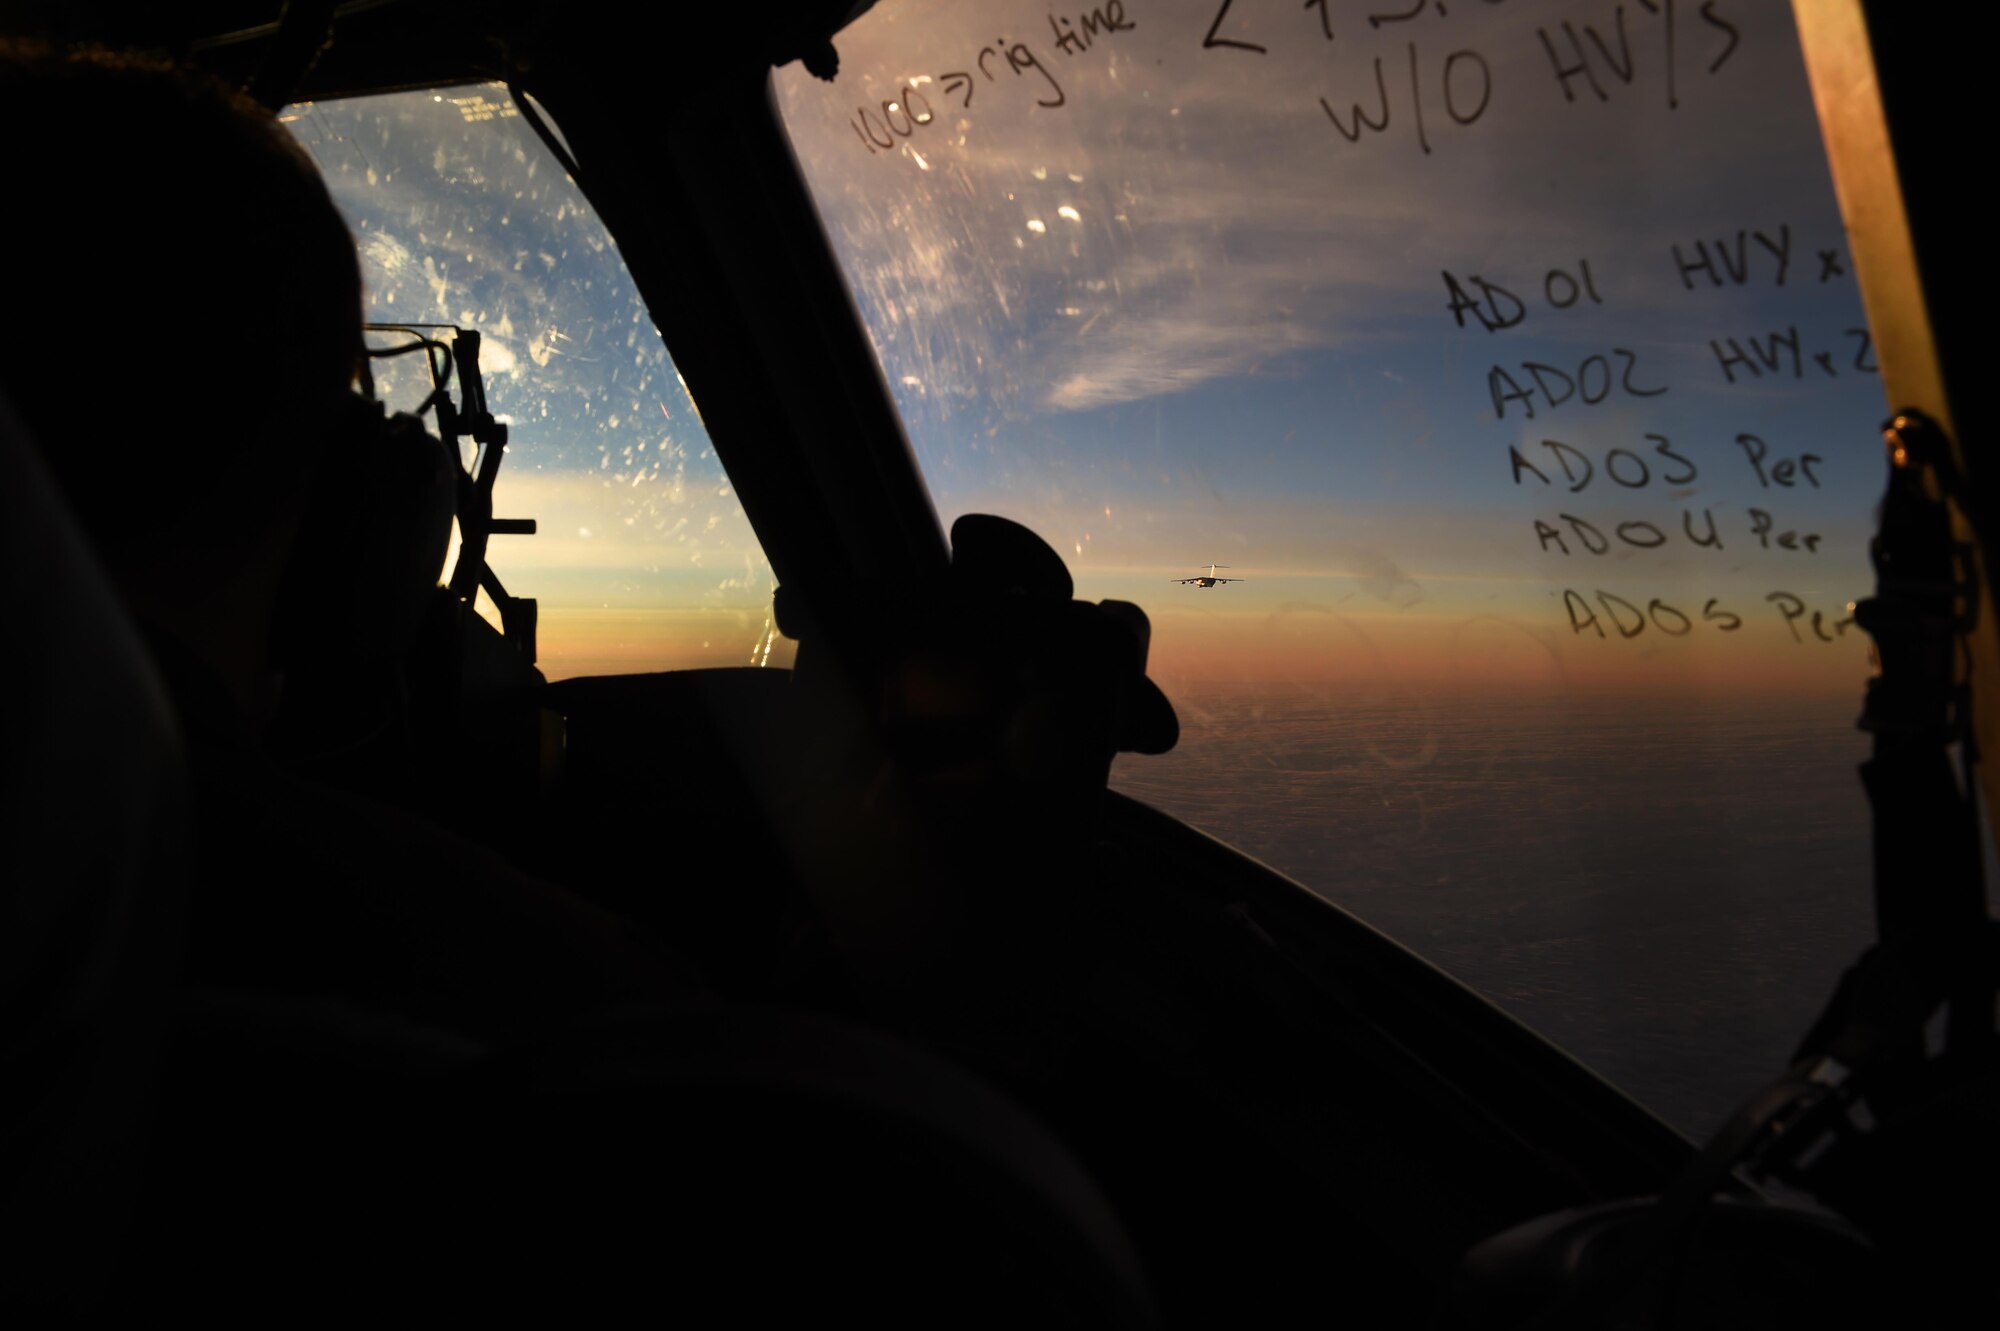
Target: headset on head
(372,542)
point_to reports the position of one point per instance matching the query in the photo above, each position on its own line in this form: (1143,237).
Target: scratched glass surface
(1510,354)
(643,559)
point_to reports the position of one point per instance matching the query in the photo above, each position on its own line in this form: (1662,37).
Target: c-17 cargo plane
(1209,579)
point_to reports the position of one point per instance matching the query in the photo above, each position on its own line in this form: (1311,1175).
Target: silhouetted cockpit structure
(944,1031)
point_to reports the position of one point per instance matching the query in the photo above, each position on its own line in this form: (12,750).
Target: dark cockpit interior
(358,966)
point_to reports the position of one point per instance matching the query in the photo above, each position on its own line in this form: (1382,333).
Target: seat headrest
(92,836)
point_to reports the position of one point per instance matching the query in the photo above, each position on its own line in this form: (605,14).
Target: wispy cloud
(1191,213)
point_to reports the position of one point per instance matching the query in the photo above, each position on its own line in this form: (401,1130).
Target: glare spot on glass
(1036,225)
(1069,212)
(760,652)
(583,532)
(691,402)
(1075,179)
(1040,173)
(918,158)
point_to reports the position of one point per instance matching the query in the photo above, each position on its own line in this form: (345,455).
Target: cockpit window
(642,558)
(1511,357)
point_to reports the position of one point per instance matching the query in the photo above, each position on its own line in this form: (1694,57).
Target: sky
(1198,311)
(1166,300)
(1511,352)
(1534,409)
(642,558)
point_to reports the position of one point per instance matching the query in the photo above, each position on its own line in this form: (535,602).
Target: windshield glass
(1510,355)
(642,558)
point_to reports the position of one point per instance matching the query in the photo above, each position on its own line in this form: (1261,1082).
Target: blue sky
(1181,318)
(643,558)
(1184,296)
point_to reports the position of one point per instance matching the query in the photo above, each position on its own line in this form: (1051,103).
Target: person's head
(183,309)
(186,295)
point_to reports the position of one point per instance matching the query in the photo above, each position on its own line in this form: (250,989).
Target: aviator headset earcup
(372,541)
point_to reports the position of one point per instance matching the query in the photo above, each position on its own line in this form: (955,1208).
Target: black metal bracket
(469,418)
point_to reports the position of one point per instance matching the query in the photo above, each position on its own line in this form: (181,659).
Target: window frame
(753,309)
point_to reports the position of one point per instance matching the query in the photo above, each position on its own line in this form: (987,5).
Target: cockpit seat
(694,1165)
(1734,1262)
(752,1166)
(93,836)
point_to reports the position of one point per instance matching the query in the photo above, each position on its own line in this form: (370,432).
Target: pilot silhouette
(404,1070)
(188,372)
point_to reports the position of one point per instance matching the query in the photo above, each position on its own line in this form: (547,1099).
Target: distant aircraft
(1209,579)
